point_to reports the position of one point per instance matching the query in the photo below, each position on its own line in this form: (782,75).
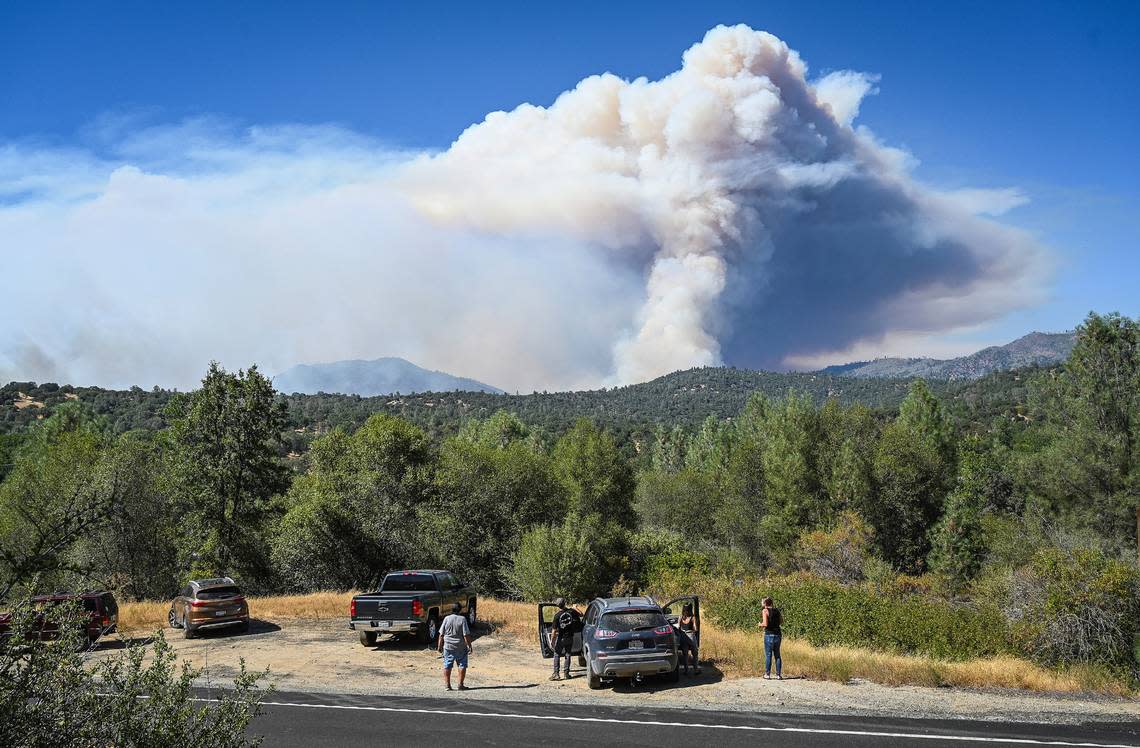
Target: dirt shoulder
(324,656)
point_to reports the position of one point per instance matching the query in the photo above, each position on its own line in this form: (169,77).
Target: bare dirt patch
(322,655)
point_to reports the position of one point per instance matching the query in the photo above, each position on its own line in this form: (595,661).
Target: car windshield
(409,583)
(633,620)
(217,593)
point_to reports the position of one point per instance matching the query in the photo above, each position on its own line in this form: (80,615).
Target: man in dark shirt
(567,622)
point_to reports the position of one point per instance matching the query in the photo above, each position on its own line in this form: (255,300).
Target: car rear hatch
(218,604)
(635,634)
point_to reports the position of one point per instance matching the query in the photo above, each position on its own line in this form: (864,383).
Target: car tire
(471,613)
(430,631)
(581,660)
(675,676)
(368,638)
(592,680)
(172,619)
(243,627)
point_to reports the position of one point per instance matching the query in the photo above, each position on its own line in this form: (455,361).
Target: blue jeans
(772,648)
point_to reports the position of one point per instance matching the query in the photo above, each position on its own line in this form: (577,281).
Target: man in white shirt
(455,643)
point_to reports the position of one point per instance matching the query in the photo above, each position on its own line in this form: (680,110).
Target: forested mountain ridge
(1034,349)
(684,398)
(381,376)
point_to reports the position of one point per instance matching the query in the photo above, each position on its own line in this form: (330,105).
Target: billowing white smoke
(729,211)
(695,176)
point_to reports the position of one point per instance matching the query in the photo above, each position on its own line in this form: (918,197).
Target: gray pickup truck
(410,602)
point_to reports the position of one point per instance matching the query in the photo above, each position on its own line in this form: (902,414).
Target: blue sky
(1040,96)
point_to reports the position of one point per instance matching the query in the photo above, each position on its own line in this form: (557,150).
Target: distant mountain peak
(1034,349)
(368,378)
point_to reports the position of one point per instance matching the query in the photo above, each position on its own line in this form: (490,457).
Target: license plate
(637,644)
(385,624)
(219,613)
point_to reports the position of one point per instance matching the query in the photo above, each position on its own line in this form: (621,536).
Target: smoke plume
(729,212)
(742,191)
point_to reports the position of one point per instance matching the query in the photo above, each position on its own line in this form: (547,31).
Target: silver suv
(622,637)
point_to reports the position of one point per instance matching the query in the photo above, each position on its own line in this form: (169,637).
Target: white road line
(754,728)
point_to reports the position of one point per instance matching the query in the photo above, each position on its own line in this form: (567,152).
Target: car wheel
(187,629)
(471,613)
(368,638)
(675,676)
(581,660)
(172,619)
(592,680)
(430,632)
(243,627)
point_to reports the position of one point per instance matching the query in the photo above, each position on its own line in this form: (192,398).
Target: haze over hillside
(382,376)
(1034,349)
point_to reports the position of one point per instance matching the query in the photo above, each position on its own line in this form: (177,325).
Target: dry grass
(736,653)
(741,654)
(148,615)
(509,617)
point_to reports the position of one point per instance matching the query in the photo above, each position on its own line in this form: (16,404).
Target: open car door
(673,608)
(546,613)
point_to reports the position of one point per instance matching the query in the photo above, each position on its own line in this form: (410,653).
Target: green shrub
(825,612)
(839,553)
(1076,606)
(578,559)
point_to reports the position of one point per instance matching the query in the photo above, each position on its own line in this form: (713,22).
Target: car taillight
(605,634)
(663,630)
(417,608)
(197,603)
(106,620)
(352,609)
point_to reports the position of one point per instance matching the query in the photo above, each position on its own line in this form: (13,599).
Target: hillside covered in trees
(1010,501)
(683,398)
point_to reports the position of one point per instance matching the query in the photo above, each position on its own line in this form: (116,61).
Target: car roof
(213,582)
(403,572)
(627,603)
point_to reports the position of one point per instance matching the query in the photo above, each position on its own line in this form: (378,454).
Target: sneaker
(449,688)
(556,676)
(779,677)
(567,676)
(767,677)
(464,688)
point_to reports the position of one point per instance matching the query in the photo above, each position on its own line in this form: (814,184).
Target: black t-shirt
(775,618)
(567,622)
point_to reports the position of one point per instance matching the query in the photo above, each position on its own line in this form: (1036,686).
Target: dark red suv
(101,608)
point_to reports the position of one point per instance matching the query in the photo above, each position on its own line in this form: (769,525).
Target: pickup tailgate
(384,607)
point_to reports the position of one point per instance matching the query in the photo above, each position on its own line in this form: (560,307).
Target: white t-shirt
(453,629)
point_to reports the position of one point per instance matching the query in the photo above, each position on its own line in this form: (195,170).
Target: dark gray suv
(622,637)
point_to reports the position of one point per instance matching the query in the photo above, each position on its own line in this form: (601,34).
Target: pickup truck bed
(410,602)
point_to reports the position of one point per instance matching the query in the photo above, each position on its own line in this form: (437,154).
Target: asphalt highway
(298,719)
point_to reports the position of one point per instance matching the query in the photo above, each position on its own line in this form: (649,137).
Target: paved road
(296,719)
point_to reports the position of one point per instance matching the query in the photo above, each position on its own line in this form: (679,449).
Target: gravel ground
(324,656)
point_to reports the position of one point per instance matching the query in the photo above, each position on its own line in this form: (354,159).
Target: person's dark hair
(687,608)
(560,602)
(767,602)
(455,608)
